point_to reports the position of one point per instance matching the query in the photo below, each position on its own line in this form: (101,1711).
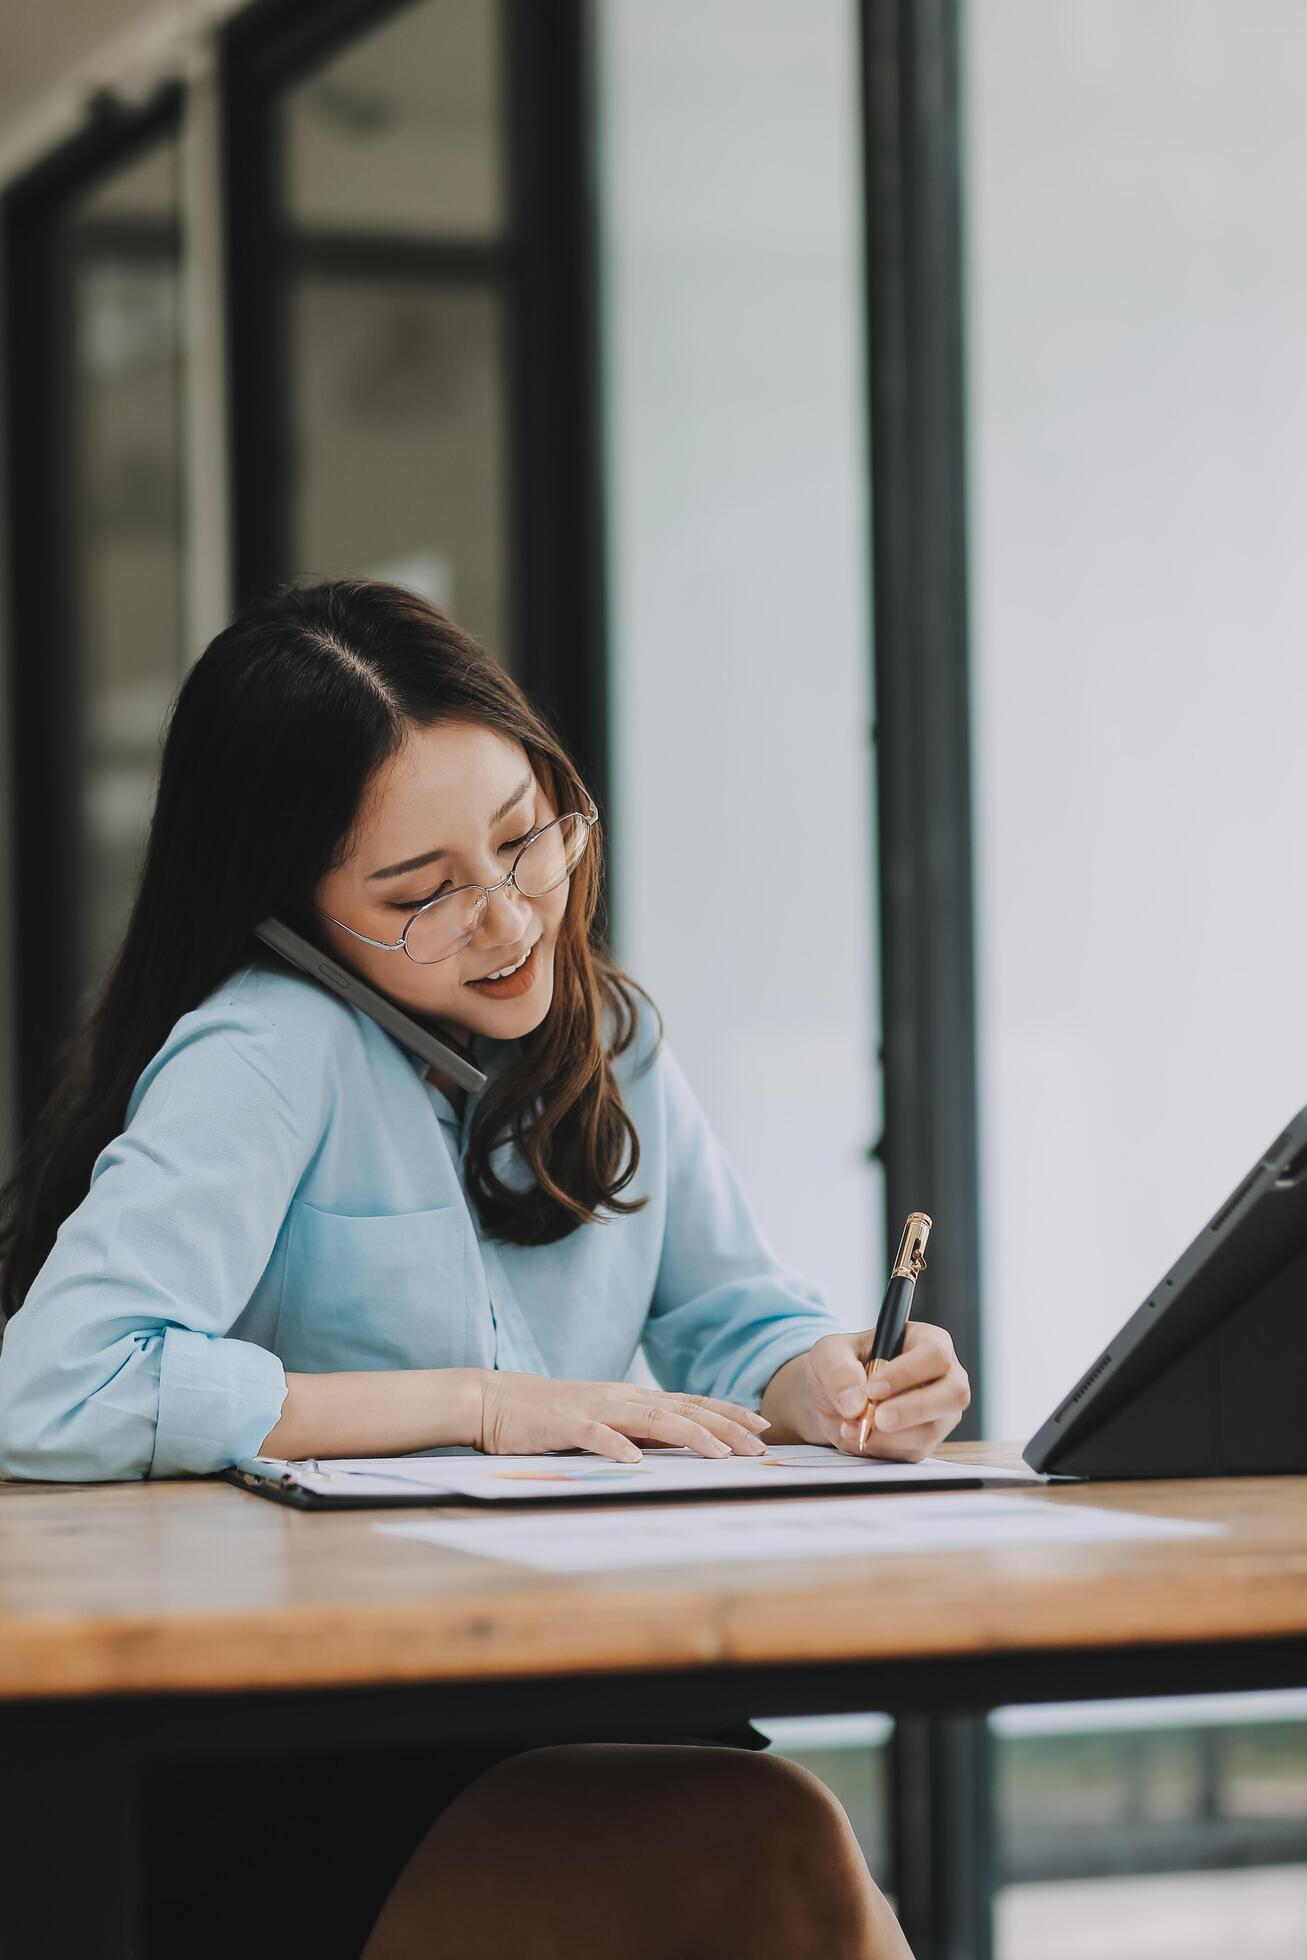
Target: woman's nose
(516,908)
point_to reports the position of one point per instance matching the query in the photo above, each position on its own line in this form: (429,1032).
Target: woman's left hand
(916,1398)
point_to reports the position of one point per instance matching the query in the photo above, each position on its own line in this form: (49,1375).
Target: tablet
(1209,1374)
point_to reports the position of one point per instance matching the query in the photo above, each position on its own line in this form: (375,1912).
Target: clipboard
(445,1477)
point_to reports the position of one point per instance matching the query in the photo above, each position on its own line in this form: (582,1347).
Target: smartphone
(318,965)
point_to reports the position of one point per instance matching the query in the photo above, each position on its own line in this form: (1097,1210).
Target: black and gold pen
(897,1304)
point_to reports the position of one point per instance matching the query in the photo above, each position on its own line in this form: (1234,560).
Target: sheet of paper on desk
(835,1527)
(559,1476)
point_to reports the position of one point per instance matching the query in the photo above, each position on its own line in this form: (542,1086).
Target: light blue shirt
(287,1193)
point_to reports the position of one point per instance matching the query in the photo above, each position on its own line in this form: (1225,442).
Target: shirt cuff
(747,1380)
(218,1399)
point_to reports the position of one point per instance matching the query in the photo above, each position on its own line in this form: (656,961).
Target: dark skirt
(298,1853)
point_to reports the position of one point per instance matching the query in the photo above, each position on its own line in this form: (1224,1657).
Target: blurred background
(877,430)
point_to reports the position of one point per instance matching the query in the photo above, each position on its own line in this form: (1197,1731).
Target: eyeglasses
(438,929)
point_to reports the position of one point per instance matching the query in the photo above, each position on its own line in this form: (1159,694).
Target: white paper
(562,1475)
(838,1527)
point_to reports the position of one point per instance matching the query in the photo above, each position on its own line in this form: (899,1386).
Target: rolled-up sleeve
(120,1363)
(725,1312)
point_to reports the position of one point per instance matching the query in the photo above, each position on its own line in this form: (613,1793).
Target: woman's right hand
(524,1415)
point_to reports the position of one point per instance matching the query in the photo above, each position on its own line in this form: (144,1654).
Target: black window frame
(941,1767)
(41,628)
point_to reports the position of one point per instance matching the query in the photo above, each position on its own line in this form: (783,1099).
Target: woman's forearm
(377,1412)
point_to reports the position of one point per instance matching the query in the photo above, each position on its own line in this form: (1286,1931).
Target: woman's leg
(674,1850)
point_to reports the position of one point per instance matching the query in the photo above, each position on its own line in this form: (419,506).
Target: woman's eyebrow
(429,857)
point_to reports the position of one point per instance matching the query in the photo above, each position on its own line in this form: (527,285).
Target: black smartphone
(318,965)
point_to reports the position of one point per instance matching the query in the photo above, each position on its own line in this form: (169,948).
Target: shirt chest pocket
(384,1290)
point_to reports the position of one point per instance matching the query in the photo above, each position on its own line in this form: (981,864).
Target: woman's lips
(516,983)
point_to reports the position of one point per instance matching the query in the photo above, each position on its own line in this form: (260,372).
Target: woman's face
(446,792)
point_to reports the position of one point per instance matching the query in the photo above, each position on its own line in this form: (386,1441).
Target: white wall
(743,802)
(1136,183)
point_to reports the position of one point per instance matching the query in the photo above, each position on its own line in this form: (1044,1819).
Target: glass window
(732,280)
(398,392)
(393,215)
(118,255)
(400,133)
(1175,1828)
(1137,305)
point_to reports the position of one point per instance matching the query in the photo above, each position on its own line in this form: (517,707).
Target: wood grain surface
(191,1584)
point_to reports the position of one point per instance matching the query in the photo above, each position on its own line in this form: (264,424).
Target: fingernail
(877,1387)
(851,1400)
(761,1422)
(886,1419)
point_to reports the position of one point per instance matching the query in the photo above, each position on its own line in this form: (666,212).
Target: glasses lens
(552,856)
(442,928)
(445,926)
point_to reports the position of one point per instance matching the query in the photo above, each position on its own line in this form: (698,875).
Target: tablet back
(1209,1376)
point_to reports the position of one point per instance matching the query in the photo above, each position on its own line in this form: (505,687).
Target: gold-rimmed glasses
(441,927)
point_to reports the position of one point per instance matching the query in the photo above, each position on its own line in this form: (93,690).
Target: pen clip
(911,1261)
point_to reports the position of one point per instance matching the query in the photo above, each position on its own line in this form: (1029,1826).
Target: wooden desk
(150,1621)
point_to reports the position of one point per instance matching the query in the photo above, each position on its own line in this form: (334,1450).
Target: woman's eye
(412,904)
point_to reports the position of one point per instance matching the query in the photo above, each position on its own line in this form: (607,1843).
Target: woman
(236,1229)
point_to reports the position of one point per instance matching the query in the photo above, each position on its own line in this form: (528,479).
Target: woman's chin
(478,1013)
(520,1014)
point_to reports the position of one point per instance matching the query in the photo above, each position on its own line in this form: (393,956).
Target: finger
(838,1365)
(656,1420)
(736,1410)
(838,1373)
(744,1441)
(722,1418)
(726,1427)
(910,1446)
(753,1419)
(915,1447)
(597,1436)
(918,1405)
(927,1355)
(939,1401)
(641,1392)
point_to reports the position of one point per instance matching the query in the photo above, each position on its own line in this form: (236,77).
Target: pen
(897,1304)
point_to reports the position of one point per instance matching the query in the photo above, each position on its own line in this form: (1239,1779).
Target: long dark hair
(272,738)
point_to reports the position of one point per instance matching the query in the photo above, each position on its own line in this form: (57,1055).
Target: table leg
(941,1827)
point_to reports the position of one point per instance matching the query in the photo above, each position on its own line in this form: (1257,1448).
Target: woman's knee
(674,1849)
(756,1848)
(814,1894)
